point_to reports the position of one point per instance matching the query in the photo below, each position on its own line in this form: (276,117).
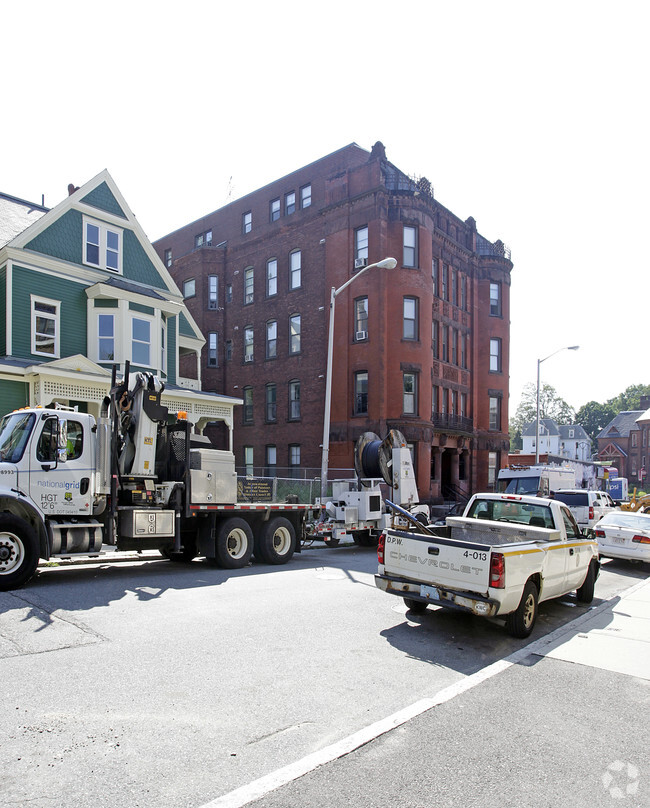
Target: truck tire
(233,544)
(521,622)
(415,606)
(18,552)
(364,538)
(585,593)
(276,543)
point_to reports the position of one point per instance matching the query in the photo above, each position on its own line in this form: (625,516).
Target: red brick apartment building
(423,348)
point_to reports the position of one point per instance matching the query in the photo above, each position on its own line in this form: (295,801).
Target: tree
(594,417)
(551,405)
(630,398)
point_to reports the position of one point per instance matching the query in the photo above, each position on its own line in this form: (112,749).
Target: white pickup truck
(500,559)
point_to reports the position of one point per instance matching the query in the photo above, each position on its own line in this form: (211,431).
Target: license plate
(429,592)
(618,540)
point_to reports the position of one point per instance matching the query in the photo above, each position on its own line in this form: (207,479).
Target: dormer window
(102,246)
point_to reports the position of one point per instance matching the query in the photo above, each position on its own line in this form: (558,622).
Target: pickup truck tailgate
(432,559)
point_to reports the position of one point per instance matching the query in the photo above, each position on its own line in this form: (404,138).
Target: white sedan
(622,534)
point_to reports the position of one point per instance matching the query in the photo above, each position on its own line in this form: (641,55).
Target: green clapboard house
(82,289)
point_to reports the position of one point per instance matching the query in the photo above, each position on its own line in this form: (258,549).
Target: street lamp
(539,362)
(386,263)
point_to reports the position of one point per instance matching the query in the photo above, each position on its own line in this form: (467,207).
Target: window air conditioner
(361,335)
(248,358)
(360,263)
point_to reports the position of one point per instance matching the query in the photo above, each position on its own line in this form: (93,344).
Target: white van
(534,480)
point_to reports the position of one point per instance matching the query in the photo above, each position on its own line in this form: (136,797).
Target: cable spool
(373,457)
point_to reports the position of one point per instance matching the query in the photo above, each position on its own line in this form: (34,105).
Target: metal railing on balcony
(456,423)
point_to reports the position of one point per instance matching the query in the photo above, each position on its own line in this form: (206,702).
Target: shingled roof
(16,215)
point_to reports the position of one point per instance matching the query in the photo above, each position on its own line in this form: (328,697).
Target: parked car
(588,507)
(622,534)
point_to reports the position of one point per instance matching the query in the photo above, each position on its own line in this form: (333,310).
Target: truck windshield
(15,430)
(520,513)
(519,485)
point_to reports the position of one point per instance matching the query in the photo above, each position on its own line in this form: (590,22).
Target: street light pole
(386,263)
(539,362)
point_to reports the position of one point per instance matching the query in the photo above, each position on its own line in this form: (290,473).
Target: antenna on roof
(230,190)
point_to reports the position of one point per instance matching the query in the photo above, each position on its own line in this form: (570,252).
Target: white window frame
(361,242)
(113,314)
(213,349)
(249,285)
(495,355)
(410,250)
(272,277)
(213,292)
(189,288)
(305,196)
(56,318)
(163,345)
(102,247)
(410,397)
(295,334)
(151,321)
(295,269)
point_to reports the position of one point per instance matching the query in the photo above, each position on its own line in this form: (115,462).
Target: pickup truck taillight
(591,511)
(381,544)
(497,571)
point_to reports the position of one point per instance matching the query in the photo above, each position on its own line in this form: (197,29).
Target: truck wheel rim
(529,611)
(281,541)
(237,543)
(12,552)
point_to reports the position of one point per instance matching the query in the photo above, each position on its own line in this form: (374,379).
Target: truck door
(61,465)
(578,552)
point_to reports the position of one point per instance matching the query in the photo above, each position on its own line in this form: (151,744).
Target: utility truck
(505,555)
(539,479)
(356,509)
(69,485)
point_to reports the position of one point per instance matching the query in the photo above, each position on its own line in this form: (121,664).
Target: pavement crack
(282,731)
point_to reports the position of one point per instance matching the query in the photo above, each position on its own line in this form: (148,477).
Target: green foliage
(630,398)
(594,417)
(551,405)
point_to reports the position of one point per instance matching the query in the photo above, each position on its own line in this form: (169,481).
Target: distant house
(563,440)
(623,444)
(82,289)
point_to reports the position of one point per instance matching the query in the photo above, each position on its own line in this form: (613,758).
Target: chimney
(72,189)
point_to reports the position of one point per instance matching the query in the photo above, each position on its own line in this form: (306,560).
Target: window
(305,196)
(274,210)
(248,344)
(454,287)
(445,343)
(294,400)
(213,292)
(454,346)
(203,239)
(140,341)
(271,461)
(168,258)
(409,393)
(463,350)
(46,448)
(248,460)
(102,246)
(247,222)
(248,285)
(495,356)
(229,293)
(463,292)
(271,277)
(289,203)
(445,281)
(443,401)
(248,405)
(295,269)
(294,334)
(434,400)
(189,288)
(271,339)
(360,246)
(493,465)
(213,344)
(434,276)
(454,402)
(106,337)
(434,338)
(45,326)
(271,403)
(495,413)
(361,392)
(495,299)
(228,350)
(463,405)
(410,318)
(410,246)
(294,458)
(361,318)
(75,441)
(163,346)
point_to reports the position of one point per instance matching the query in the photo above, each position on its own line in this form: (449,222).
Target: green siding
(103,303)
(13,395)
(184,326)
(3,311)
(101,197)
(171,350)
(141,309)
(62,239)
(73,320)
(136,264)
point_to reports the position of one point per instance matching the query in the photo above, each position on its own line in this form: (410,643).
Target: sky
(530,117)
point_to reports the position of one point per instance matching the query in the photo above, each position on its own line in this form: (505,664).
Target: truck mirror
(62,440)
